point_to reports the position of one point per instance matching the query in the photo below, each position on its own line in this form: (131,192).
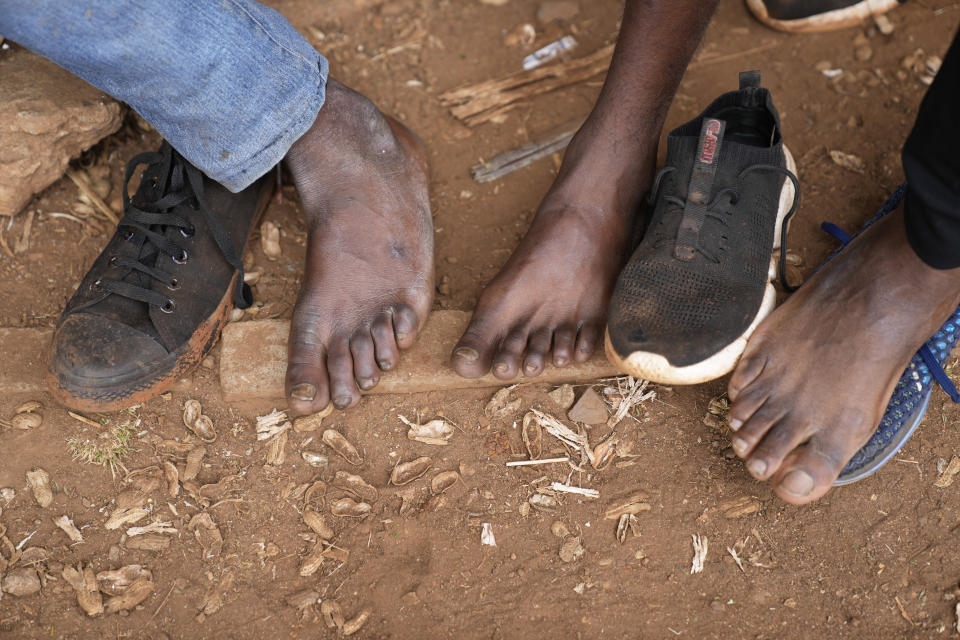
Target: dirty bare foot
(368,280)
(551,296)
(818,373)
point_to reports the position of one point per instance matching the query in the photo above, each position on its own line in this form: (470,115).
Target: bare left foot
(818,373)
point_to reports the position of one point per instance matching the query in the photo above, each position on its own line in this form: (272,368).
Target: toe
(364,362)
(343,388)
(747,370)
(587,342)
(307,384)
(809,471)
(384,342)
(747,403)
(745,440)
(405,326)
(563,346)
(782,438)
(473,354)
(506,363)
(537,348)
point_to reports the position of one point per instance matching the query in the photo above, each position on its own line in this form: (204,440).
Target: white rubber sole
(656,368)
(830,21)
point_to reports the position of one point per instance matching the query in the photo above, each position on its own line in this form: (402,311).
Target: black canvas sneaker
(153,303)
(809,16)
(701,279)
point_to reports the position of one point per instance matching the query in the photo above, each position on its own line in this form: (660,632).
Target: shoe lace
(719,210)
(171,181)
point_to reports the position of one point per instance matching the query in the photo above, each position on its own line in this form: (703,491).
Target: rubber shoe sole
(655,367)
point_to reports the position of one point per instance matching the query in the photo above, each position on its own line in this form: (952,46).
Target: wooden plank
(253,361)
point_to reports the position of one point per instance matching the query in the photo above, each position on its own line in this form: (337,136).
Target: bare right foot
(551,296)
(368,281)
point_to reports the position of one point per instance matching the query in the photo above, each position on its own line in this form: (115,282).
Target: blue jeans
(229,83)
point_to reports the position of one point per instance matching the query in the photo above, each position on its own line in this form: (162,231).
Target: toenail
(757,467)
(367,383)
(560,362)
(401,337)
(342,402)
(501,367)
(385,364)
(530,368)
(740,445)
(304,391)
(467,353)
(797,483)
(735,424)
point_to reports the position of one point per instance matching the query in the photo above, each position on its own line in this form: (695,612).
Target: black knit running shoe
(809,16)
(700,281)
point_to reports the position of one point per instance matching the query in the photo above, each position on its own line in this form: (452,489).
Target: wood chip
(949,474)
(700,545)
(66,524)
(124,516)
(740,506)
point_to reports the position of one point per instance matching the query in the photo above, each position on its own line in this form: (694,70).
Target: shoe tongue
(699,188)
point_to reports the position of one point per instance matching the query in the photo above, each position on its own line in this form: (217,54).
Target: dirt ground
(876,559)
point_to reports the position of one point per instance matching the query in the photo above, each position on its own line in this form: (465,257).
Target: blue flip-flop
(912,394)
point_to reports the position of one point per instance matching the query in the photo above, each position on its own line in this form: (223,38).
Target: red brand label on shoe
(710,140)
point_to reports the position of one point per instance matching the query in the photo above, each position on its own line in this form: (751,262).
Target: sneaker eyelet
(113,261)
(174,284)
(127,234)
(97,286)
(183,258)
(188,233)
(168,306)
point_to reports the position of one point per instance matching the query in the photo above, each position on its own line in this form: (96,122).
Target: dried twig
(542,146)
(528,463)
(88,191)
(566,488)
(477,103)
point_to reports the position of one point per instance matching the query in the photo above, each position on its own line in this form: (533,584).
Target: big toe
(473,354)
(808,472)
(307,384)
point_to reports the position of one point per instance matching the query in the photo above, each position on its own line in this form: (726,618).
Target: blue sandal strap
(936,370)
(837,233)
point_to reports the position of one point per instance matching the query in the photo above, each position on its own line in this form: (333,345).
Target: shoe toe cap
(94,349)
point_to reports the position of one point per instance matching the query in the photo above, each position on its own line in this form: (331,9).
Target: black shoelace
(170,182)
(720,210)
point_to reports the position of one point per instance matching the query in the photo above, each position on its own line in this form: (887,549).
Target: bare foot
(818,373)
(551,296)
(368,281)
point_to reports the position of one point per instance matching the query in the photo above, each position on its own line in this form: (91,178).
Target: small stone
(717,605)
(563,396)
(208,363)
(571,550)
(552,10)
(590,409)
(790,603)
(21,582)
(559,529)
(863,53)
(848,161)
